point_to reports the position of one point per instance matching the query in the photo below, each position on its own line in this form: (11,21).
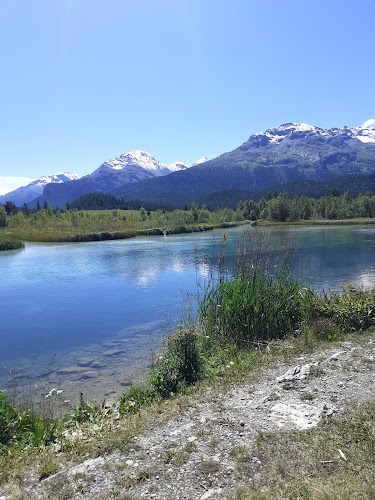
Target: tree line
(280,208)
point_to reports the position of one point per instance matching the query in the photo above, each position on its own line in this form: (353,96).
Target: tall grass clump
(20,426)
(259,301)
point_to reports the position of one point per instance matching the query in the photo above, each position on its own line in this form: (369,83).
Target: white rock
(211,492)
(299,372)
(335,356)
(295,415)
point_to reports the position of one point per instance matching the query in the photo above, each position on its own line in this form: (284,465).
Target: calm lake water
(83,316)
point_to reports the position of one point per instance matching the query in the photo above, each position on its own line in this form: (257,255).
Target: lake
(85,316)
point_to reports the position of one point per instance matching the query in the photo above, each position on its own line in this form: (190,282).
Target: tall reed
(259,301)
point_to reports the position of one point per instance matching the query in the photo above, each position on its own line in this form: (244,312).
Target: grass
(309,465)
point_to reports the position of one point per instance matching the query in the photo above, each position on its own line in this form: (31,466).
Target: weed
(273,396)
(289,384)
(143,475)
(316,371)
(214,442)
(307,396)
(48,469)
(353,309)
(209,467)
(173,457)
(190,447)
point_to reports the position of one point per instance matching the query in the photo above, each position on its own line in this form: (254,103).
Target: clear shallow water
(84,312)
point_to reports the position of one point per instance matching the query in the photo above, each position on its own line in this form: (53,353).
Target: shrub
(353,309)
(179,366)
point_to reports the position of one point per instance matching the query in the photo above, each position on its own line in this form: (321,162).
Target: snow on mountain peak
(25,194)
(201,160)
(276,135)
(54,179)
(146,161)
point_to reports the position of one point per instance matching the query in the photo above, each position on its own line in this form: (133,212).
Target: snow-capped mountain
(127,168)
(25,194)
(139,164)
(283,154)
(293,131)
(131,167)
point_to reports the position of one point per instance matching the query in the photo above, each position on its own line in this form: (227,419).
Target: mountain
(290,152)
(127,168)
(25,194)
(354,184)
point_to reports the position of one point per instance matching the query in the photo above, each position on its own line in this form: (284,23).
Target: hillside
(284,154)
(354,184)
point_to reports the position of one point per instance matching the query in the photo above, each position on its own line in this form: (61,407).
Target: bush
(179,366)
(353,309)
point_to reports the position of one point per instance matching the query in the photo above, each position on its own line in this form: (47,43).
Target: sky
(87,80)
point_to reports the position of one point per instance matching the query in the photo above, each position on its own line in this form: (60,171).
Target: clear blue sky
(86,80)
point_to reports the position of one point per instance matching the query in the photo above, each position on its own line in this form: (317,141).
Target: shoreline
(19,242)
(117,235)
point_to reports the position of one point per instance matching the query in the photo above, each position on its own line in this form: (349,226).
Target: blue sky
(86,80)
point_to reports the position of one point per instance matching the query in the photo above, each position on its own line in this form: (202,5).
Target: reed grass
(259,301)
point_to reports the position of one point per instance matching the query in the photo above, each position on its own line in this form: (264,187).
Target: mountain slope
(25,194)
(127,168)
(280,155)
(355,184)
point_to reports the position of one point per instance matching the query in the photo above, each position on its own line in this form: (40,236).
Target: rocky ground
(200,453)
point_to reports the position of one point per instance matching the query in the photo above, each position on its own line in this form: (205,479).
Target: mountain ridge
(280,155)
(26,194)
(128,168)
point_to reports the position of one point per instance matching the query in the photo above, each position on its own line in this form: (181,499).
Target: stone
(85,361)
(89,374)
(113,352)
(68,370)
(335,356)
(295,415)
(299,372)
(212,492)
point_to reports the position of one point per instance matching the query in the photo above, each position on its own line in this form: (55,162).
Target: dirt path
(196,455)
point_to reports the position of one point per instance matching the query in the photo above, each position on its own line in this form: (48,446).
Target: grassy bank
(98,225)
